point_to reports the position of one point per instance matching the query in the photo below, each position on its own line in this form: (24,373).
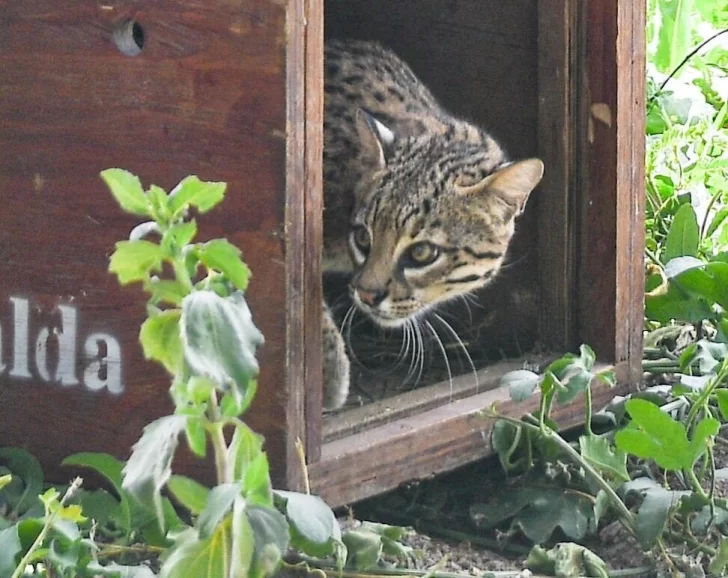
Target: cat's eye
(361,238)
(421,254)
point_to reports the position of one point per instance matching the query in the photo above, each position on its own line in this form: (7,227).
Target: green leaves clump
(201,330)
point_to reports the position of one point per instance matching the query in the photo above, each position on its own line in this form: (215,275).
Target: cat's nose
(371,297)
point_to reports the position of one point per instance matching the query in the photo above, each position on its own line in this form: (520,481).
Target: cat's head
(434,219)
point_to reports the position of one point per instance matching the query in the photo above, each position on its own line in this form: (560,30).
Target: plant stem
(49,519)
(705,394)
(222,467)
(627,517)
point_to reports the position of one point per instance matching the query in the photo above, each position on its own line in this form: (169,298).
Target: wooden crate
(233,91)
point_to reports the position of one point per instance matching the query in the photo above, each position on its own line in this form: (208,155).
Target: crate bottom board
(372,449)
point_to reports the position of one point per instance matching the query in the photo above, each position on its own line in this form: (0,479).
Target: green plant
(200,329)
(603,474)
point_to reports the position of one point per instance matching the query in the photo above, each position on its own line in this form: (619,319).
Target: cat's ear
(512,183)
(375,138)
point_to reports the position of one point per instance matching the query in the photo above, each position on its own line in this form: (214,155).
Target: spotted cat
(419,204)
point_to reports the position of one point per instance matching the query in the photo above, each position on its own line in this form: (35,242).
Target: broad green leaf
(587,356)
(195,557)
(674,35)
(24,467)
(10,549)
(188,492)
(220,339)
(243,541)
(103,508)
(271,533)
(150,464)
(684,235)
(196,436)
(708,282)
(566,559)
(106,465)
(165,291)
(135,260)
(245,450)
(537,511)
(316,530)
(5,480)
(717,221)
(160,339)
(520,383)
(191,191)
(127,190)
(363,549)
(675,304)
(257,486)
(706,428)
(654,435)
(233,405)
(654,510)
(159,204)
(574,384)
(610,462)
(221,255)
(219,503)
(181,234)
(722,396)
(28,530)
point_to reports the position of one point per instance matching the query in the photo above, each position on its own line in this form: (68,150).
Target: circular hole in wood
(129,37)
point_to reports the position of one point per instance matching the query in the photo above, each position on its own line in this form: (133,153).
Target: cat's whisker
(347,324)
(420,342)
(410,336)
(462,346)
(444,354)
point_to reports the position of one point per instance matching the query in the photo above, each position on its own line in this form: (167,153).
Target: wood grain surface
(207,95)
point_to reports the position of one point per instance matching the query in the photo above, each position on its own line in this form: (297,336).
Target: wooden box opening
(521,70)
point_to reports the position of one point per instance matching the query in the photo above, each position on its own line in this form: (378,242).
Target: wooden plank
(422,399)
(438,440)
(555,195)
(296,242)
(631,63)
(206,95)
(314,224)
(611,279)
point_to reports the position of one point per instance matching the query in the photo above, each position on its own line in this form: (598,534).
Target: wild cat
(419,205)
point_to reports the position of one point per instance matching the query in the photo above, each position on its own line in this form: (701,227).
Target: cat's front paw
(336,368)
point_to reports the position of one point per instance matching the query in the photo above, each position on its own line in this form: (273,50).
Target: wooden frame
(259,66)
(591,138)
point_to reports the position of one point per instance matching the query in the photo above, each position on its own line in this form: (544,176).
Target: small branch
(683,62)
(222,467)
(301,453)
(50,518)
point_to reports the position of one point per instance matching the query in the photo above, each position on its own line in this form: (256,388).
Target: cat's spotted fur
(419,205)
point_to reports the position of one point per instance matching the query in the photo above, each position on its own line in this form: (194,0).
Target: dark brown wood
(422,399)
(299,294)
(206,96)
(233,91)
(610,274)
(555,196)
(314,224)
(425,444)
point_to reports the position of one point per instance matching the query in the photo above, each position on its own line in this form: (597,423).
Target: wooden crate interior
(480,59)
